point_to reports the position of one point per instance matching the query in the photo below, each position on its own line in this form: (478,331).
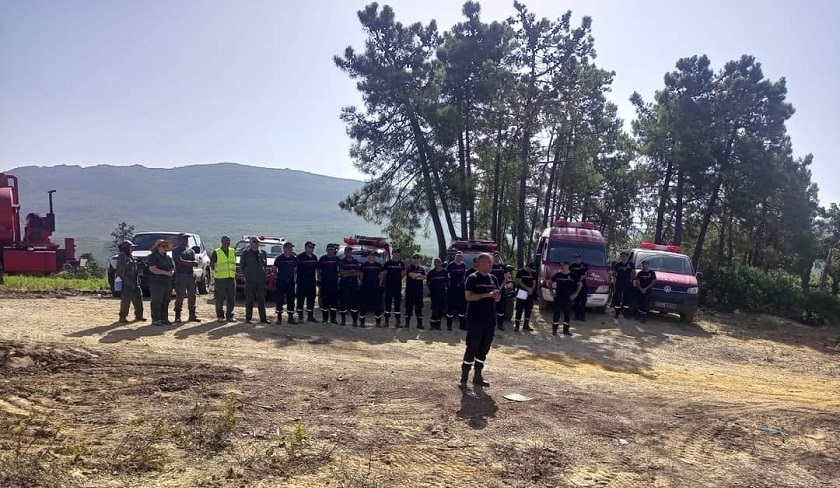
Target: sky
(175,83)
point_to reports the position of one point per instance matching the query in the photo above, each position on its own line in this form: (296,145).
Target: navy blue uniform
(456,304)
(348,289)
(371,292)
(480,324)
(498,272)
(437,280)
(645,279)
(414,294)
(328,267)
(528,278)
(285,283)
(623,285)
(394,271)
(307,264)
(580,269)
(564,285)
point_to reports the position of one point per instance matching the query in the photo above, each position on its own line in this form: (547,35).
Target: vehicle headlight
(603,289)
(693,290)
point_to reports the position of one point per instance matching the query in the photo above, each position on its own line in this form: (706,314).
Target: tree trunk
(663,199)
(729,236)
(497,168)
(704,224)
(428,188)
(678,208)
(523,195)
(470,187)
(462,173)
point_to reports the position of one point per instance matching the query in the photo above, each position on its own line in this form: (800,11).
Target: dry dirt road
(731,401)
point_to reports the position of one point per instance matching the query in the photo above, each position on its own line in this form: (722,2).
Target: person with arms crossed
(623,272)
(645,280)
(394,274)
(566,286)
(580,268)
(455,302)
(437,279)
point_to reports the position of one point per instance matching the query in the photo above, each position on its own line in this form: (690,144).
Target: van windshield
(667,262)
(562,251)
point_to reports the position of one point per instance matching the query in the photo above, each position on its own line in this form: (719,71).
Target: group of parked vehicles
(676,289)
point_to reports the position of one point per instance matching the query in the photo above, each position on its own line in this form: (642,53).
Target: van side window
(541,247)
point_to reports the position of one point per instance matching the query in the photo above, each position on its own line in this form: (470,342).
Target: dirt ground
(731,401)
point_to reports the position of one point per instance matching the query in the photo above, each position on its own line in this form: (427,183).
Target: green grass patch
(53,283)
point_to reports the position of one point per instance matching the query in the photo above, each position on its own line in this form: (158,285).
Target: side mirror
(699,275)
(196,249)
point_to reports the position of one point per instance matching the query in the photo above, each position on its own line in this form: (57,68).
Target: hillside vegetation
(207,199)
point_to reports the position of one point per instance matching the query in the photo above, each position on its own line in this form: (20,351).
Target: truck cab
(470,249)
(560,243)
(273,247)
(676,288)
(364,245)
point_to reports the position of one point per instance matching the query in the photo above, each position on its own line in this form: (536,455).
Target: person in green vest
(223,262)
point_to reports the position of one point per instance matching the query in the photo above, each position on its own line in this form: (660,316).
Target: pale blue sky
(185,82)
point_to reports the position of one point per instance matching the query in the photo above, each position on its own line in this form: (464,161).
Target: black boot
(465,373)
(478,378)
(300,316)
(500,322)
(177,316)
(566,330)
(310,317)
(379,321)
(462,322)
(361,321)
(292,319)
(333,315)
(325,316)
(408,321)
(343,318)
(448,322)
(516,326)
(387,320)
(193,316)
(554,328)
(355,316)
(420,322)
(279,318)
(527,327)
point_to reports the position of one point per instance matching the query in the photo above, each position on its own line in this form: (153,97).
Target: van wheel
(204,284)
(687,318)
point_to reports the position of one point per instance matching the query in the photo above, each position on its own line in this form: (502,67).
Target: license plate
(667,306)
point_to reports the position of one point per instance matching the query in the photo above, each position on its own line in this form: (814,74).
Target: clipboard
(522,294)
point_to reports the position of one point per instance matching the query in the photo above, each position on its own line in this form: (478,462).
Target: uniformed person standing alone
(223,262)
(566,286)
(185,263)
(307,264)
(394,274)
(623,272)
(580,268)
(284,268)
(644,282)
(127,271)
(416,275)
(456,304)
(253,262)
(437,279)
(526,280)
(500,273)
(373,279)
(348,287)
(482,293)
(328,279)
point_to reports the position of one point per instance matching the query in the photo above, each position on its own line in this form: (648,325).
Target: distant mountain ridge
(209,199)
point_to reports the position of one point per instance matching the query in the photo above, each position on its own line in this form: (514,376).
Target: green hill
(211,200)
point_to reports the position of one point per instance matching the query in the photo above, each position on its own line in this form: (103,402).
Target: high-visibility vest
(225,264)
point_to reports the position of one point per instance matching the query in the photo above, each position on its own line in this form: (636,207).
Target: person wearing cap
(328,281)
(565,288)
(580,268)
(526,281)
(500,272)
(437,278)
(348,287)
(482,292)
(127,271)
(456,304)
(161,270)
(644,281)
(223,262)
(373,279)
(622,272)
(416,276)
(185,263)
(307,264)
(394,275)
(253,262)
(284,268)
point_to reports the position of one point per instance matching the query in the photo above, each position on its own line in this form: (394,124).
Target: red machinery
(31,252)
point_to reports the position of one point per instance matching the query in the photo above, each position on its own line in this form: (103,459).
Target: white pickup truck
(143,242)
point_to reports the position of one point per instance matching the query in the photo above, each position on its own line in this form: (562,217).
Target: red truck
(364,245)
(560,243)
(677,283)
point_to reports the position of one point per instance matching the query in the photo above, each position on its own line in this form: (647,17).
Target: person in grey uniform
(161,269)
(253,262)
(131,292)
(185,262)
